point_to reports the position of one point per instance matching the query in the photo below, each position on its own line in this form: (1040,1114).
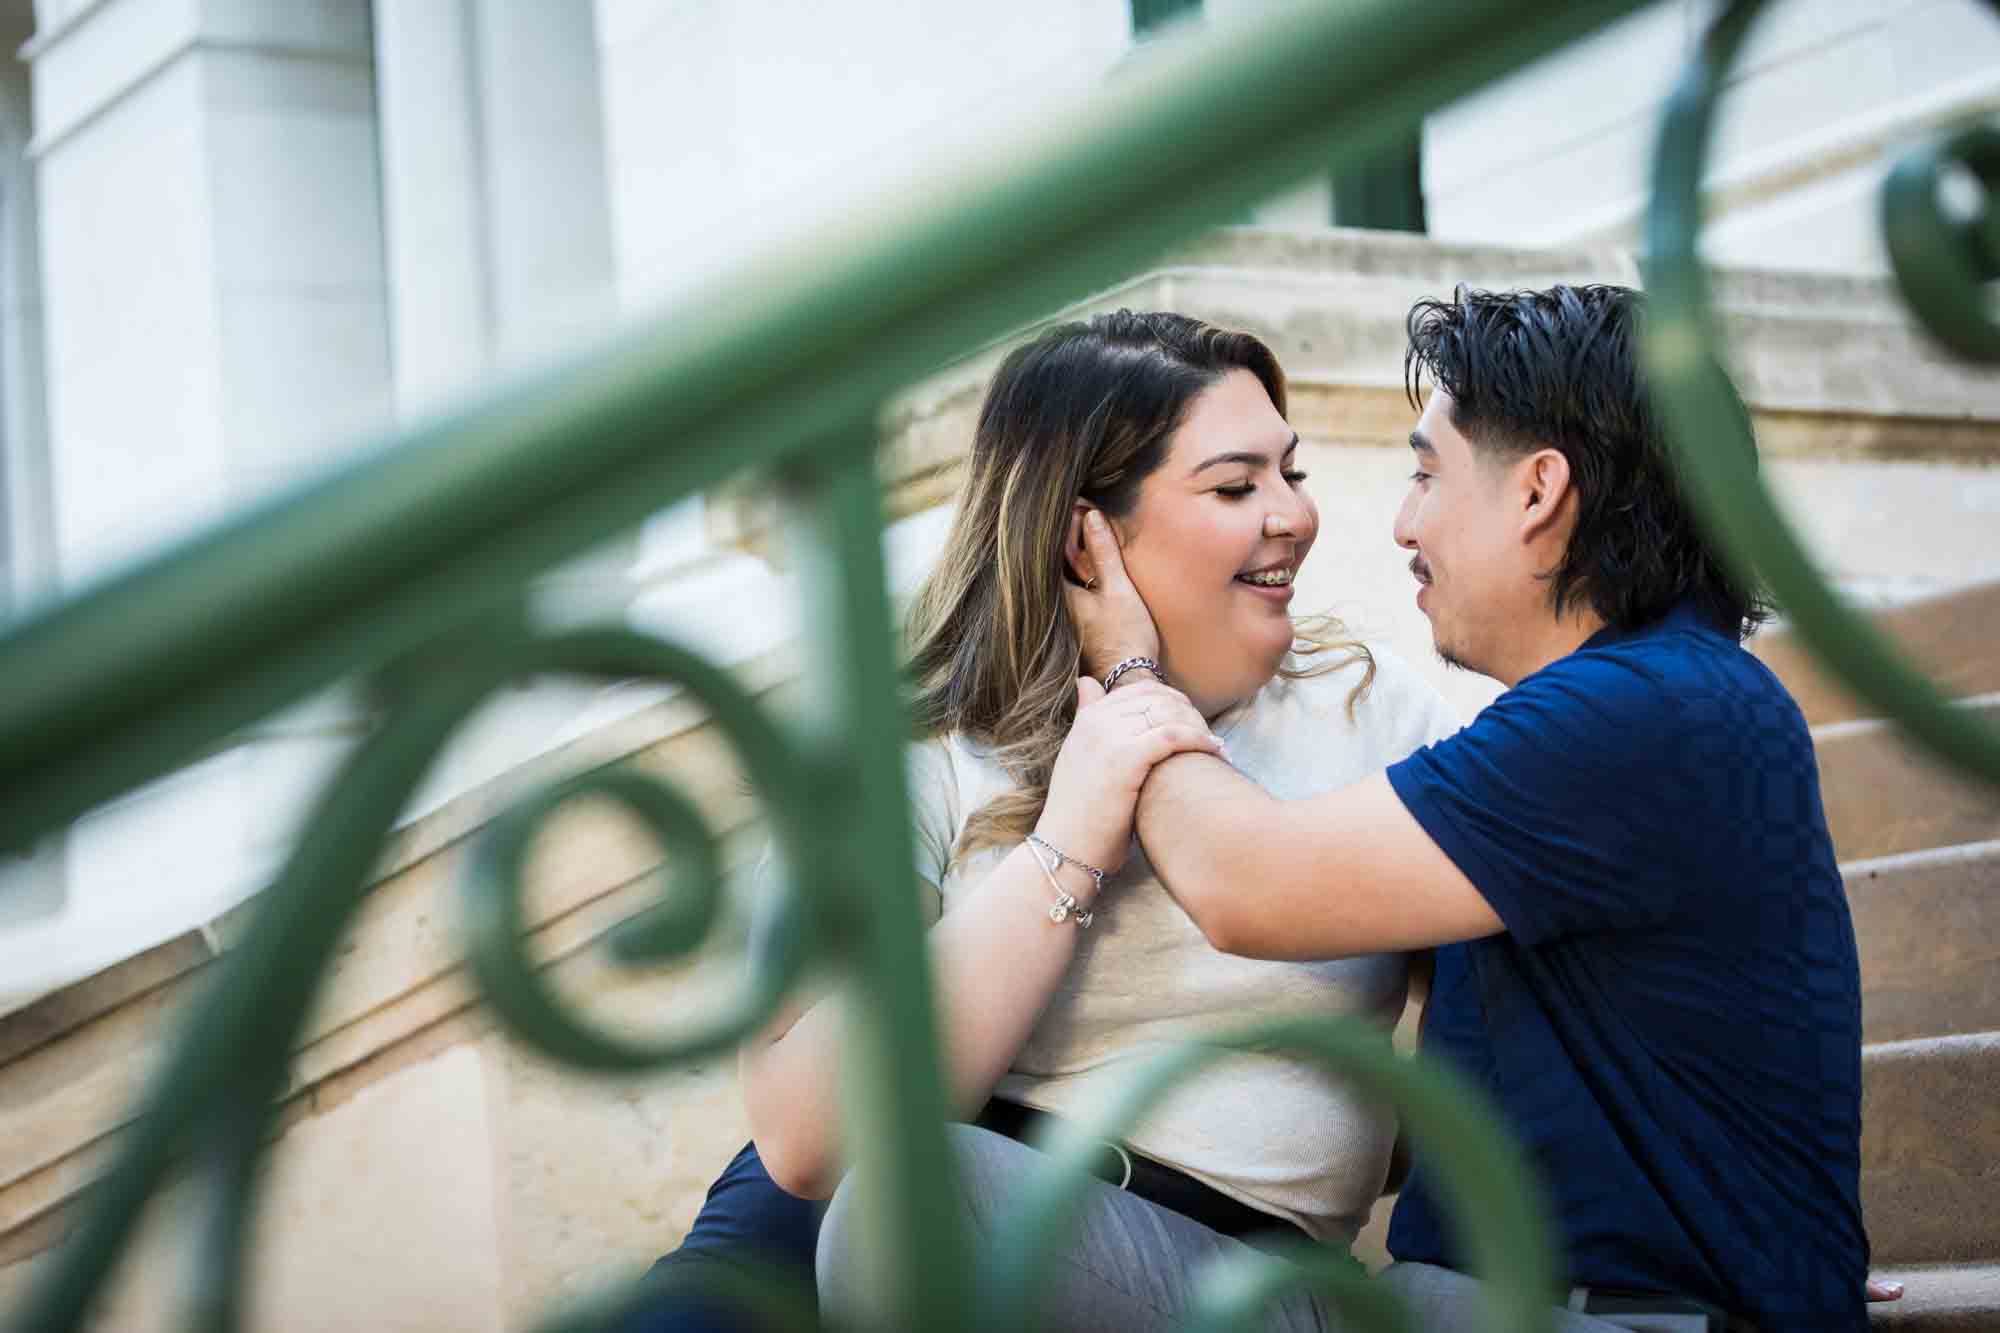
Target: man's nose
(1403,533)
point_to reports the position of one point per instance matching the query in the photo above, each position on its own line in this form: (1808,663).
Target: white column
(495,211)
(214,320)
(498,237)
(31,887)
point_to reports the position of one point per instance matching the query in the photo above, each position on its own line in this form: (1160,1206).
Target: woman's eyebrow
(1245,456)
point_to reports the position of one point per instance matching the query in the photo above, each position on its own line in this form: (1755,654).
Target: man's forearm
(1197,821)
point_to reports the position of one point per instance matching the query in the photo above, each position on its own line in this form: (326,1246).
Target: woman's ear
(1076,560)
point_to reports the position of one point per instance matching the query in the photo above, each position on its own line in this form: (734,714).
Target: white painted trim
(1779,169)
(48,141)
(44,40)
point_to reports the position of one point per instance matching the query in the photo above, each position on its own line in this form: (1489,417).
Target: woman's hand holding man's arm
(997,954)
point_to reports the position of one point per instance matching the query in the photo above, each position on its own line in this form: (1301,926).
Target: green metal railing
(408,570)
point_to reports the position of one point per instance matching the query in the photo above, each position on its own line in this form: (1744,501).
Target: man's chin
(1452,657)
(1455,662)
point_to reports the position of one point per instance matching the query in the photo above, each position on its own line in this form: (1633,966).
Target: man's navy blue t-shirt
(1671,1021)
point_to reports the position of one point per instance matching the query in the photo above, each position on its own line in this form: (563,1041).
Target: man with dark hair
(1644,953)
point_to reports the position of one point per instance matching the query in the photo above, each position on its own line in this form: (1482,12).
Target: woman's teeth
(1268,578)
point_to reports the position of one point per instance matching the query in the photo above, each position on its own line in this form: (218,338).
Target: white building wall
(1825,95)
(725,121)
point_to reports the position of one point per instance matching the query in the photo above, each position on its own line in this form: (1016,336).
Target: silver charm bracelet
(1066,904)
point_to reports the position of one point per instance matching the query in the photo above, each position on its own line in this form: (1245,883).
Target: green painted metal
(1386,191)
(1939,264)
(408,569)
(1150,16)
(1944,262)
(149,669)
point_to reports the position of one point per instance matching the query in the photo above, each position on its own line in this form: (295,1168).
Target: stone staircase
(1920,852)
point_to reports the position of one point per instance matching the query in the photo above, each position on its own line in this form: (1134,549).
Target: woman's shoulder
(953,772)
(1372,689)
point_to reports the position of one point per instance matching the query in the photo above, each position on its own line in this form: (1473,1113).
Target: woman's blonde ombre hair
(1086,410)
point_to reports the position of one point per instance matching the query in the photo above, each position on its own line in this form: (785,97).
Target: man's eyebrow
(1421,444)
(1244,456)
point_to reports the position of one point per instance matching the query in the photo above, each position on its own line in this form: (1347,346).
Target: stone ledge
(1831,366)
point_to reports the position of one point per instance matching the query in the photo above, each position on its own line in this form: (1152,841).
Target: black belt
(1654,1311)
(1152,1181)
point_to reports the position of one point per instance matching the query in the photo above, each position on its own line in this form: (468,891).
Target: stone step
(1941,1298)
(1930,960)
(1930,1149)
(1930,1160)
(1953,635)
(1884,797)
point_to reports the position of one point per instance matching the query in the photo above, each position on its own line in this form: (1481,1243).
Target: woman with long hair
(1057,955)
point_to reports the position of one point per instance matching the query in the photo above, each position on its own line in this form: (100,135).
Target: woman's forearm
(995,958)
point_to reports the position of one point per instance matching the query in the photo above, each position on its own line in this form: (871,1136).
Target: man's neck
(1546,639)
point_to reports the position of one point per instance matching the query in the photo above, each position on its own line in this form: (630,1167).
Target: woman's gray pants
(1131,1264)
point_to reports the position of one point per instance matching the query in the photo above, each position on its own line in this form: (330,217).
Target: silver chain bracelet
(1066,904)
(1133,664)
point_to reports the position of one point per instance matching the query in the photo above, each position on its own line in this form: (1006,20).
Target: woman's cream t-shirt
(1261,1128)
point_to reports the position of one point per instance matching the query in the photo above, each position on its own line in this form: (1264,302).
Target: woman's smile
(1273,583)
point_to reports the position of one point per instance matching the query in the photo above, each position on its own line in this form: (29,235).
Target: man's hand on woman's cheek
(1111,618)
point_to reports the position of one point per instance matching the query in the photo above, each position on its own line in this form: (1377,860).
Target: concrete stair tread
(1930,1149)
(1954,635)
(1930,961)
(1941,1298)
(1883,796)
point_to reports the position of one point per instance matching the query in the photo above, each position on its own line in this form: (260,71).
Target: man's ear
(1076,560)
(1545,492)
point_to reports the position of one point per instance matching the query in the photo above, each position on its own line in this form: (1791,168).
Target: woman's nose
(1286,520)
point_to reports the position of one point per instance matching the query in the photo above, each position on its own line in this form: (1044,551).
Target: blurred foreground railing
(408,571)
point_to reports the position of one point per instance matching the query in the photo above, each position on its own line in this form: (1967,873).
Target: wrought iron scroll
(407,569)
(1942,263)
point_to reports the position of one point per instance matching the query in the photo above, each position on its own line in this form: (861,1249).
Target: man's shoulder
(1677,671)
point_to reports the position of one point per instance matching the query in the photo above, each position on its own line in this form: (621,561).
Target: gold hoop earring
(1090,583)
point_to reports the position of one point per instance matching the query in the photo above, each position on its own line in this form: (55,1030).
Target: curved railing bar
(1479,1174)
(493,890)
(213,1100)
(1713,442)
(1944,263)
(138,675)
(251,1011)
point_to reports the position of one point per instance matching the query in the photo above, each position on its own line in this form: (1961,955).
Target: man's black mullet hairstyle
(1559,369)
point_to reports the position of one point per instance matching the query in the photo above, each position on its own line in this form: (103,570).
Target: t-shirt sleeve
(933,798)
(934,821)
(1551,796)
